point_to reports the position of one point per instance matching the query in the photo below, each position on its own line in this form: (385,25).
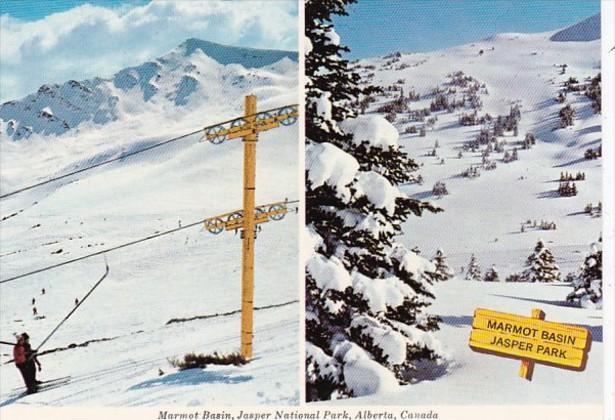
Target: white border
(608,193)
(447,412)
(301,215)
(556,412)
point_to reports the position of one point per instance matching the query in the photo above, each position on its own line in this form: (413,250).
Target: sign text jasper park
(530,339)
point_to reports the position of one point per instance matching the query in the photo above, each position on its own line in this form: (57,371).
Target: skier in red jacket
(26,361)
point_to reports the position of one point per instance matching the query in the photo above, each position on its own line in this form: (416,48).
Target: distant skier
(26,361)
(43,291)
(34,311)
(33,301)
(76,301)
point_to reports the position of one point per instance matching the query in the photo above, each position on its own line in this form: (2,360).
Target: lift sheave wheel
(238,122)
(216,134)
(288,111)
(215,226)
(278,211)
(263,116)
(234,216)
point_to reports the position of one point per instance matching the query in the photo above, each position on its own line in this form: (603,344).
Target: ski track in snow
(130,376)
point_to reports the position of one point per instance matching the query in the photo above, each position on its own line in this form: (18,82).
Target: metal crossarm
(242,127)
(234,220)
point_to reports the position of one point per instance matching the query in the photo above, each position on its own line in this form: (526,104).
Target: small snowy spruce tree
(514,278)
(588,284)
(492,274)
(541,265)
(366,294)
(442,268)
(473,271)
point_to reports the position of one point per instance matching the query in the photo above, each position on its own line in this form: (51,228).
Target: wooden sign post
(526,370)
(530,339)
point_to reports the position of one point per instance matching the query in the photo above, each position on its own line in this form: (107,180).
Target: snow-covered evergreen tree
(473,271)
(492,274)
(588,284)
(541,266)
(514,278)
(442,268)
(366,294)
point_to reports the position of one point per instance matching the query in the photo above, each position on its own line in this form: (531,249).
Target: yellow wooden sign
(530,339)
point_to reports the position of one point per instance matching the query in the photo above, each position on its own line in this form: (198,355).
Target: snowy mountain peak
(586,30)
(194,72)
(225,54)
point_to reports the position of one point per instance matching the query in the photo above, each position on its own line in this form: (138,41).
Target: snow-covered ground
(475,378)
(125,371)
(186,274)
(483,215)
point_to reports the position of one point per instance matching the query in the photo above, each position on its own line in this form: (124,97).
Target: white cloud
(89,41)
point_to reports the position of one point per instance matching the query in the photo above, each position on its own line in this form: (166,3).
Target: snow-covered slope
(497,377)
(194,72)
(187,274)
(483,215)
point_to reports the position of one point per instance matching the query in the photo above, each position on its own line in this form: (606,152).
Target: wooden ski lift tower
(248,128)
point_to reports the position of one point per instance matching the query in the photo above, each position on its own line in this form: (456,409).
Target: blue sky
(53,41)
(377,27)
(36,9)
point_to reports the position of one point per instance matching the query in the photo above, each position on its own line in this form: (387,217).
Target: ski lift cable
(104,276)
(230,313)
(106,162)
(50,267)
(144,149)
(124,245)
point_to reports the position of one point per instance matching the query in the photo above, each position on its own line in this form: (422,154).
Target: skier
(34,311)
(76,301)
(26,361)
(43,291)
(33,301)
